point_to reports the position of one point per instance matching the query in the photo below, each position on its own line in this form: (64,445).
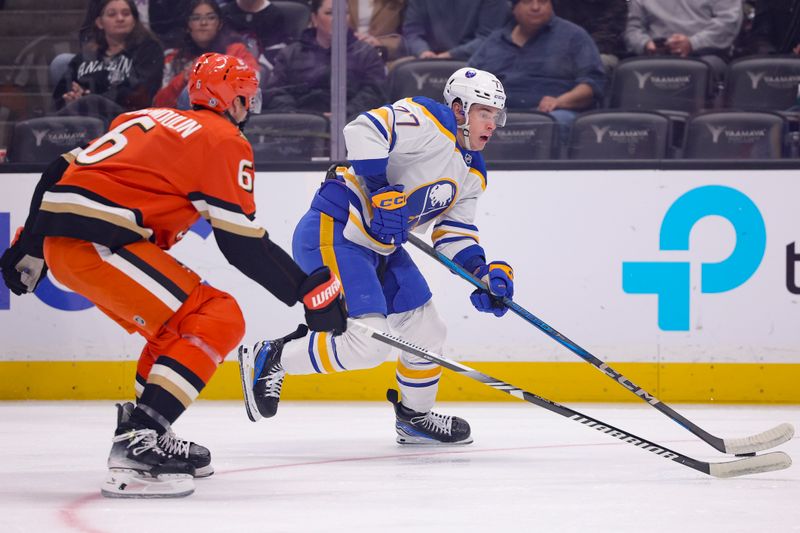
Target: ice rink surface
(336,467)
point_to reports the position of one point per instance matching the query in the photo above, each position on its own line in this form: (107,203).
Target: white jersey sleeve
(455,233)
(370,138)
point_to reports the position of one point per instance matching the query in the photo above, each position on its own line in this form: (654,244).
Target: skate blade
(134,484)
(203,471)
(247,374)
(408,440)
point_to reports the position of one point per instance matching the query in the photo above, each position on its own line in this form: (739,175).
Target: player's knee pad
(421,326)
(210,319)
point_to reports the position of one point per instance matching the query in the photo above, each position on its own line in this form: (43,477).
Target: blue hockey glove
(389,215)
(499,277)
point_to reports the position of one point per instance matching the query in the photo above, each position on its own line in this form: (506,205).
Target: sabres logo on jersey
(431,200)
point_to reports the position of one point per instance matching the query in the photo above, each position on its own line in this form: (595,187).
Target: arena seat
(527,136)
(763,82)
(611,134)
(735,135)
(38,140)
(661,83)
(58,67)
(421,77)
(288,137)
(296,16)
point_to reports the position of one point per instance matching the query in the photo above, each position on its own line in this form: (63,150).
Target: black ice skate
(199,456)
(139,468)
(262,375)
(427,428)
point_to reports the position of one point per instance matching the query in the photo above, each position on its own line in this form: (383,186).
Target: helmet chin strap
(465,129)
(465,133)
(239,125)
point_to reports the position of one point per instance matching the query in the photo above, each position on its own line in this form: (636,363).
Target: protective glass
(255,103)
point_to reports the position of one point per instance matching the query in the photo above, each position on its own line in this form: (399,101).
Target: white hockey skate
(429,429)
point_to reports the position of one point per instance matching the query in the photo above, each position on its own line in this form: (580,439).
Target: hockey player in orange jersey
(101,219)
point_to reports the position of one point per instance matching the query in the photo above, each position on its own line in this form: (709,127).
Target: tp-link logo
(670,281)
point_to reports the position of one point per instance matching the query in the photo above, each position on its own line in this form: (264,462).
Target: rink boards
(684,280)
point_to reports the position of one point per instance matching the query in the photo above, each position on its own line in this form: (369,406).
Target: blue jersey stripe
(418,385)
(454,224)
(378,125)
(311,345)
(454,239)
(336,354)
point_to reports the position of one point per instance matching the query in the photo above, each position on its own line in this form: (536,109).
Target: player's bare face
(116,20)
(483,121)
(204,25)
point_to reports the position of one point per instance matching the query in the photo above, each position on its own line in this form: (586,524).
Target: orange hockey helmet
(217,79)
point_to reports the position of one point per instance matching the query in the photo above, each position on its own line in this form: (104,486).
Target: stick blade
(769,462)
(763,441)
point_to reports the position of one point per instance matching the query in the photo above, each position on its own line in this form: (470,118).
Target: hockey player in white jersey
(414,163)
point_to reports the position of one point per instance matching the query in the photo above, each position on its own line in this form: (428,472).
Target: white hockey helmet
(473,86)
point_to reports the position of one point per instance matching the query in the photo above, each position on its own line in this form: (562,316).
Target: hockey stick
(739,446)
(738,467)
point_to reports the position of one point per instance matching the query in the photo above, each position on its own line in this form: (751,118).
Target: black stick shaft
(748,465)
(718,443)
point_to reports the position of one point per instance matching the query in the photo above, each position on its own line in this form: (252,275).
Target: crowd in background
(553,56)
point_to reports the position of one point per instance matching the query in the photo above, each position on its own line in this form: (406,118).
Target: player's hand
(22,271)
(499,278)
(389,215)
(321,294)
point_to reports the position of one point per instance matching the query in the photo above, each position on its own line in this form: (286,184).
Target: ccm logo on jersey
(389,200)
(324,294)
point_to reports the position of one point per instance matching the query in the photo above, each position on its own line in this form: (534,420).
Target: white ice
(336,467)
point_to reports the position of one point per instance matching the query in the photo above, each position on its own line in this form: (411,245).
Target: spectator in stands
(162,17)
(301,80)
(604,20)
(699,28)
(450,29)
(204,32)
(379,26)
(545,63)
(119,68)
(261,25)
